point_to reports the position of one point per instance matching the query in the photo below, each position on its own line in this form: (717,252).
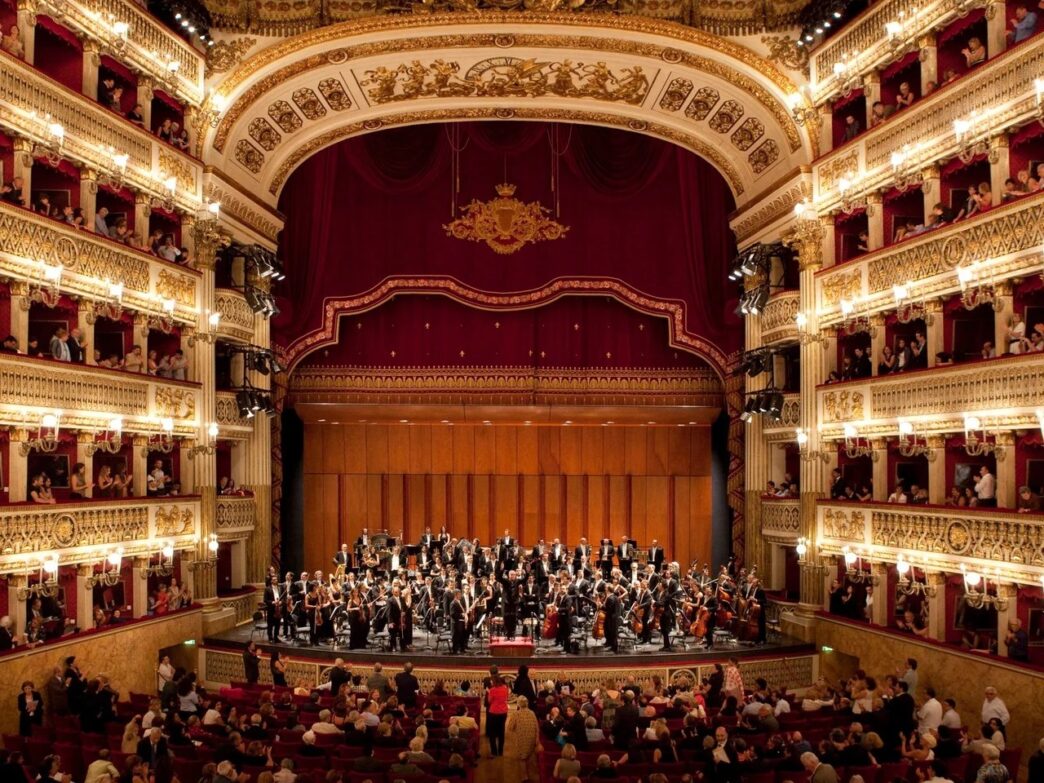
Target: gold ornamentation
(180,288)
(226,54)
(308,102)
(174,402)
(235,515)
(832,170)
(39,530)
(778,320)
(764,156)
(505,223)
(284,116)
(781,517)
(727,115)
(676,94)
(706,98)
(840,406)
(507,76)
(748,133)
(767,212)
(784,50)
(335,94)
(844,525)
(847,285)
(699,40)
(174,521)
(721,162)
(24,382)
(173,165)
(249,156)
(263,133)
(246,210)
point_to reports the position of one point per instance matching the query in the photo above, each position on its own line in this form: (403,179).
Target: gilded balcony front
(1003,392)
(938,538)
(90,396)
(789,420)
(233,427)
(236,516)
(81,532)
(1003,242)
(778,322)
(237,319)
(781,520)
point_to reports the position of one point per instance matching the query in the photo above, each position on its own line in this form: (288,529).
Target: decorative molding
(226,414)
(779,318)
(507,385)
(680,337)
(227,53)
(59,385)
(244,606)
(841,406)
(236,516)
(237,319)
(780,519)
(768,212)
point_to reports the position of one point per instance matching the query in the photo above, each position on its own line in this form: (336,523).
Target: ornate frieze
(176,285)
(237,319)
(242,207)
(176,402)
(520,385)
(38,384)
(778,318)
(781,519)
(235,516)
(941,538)
(71,528)
(841,405)
(226,413)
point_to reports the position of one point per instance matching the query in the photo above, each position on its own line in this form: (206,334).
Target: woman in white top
(1016,334)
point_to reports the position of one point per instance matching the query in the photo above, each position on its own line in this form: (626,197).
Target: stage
(433,652)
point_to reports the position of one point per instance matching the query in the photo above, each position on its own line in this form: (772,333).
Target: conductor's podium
(503,647)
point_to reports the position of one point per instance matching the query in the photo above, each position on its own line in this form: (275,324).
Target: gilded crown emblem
(505,223)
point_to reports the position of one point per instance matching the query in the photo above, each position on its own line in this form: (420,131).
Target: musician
(507,543)
(668,608)
(613,608)
(343,559)
(395,620)
(363,541)
(543,569)
(757,598)
(312,607)
(427,540)
(358,620)
(710,601)
(532,596)
(643,611)
(538,551)
(625,553)
(424,561)
(301,585)
(557,554)
(273,600)
(606,552)
(581,556)
(564,602)
(459,620)
(512,591)
(395,560)
(655,555)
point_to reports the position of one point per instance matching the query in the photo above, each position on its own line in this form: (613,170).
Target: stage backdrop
(642,213)
(536,481)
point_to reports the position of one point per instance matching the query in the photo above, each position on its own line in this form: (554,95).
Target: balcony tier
(236,516)
(237,319)
(233,427)
(939,537)
(778,322)
(82,532)
(788,421)
(90,396)
(781,520)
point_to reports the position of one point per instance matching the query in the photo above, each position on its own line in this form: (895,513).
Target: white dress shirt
(930,715)
(986,487)
(995,709)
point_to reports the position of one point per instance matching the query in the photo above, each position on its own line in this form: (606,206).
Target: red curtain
(639,210)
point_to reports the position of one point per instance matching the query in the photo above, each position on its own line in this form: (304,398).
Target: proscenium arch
(336,308)
(707,94)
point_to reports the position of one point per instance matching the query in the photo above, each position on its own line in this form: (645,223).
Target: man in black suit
(656,555)
(407,686)
(343,558)
(625,723)
(339,675)
(581,556)
(606,552)
(757,595)
(251,663)
(900,710)
(459,618)
(557,554)
(612,608)
(667,606)
(721,763)
(625,554)
(153,746)
(273,596)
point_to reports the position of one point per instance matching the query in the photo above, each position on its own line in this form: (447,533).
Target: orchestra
(609,593)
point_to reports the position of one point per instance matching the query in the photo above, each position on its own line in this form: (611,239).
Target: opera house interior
(528,390)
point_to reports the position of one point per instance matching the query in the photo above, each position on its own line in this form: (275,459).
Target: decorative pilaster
(1005,454)
(875,220)
(84,597)
(929,56)
(879,606)
(877,340)
(85,323)
(20,312)
(996,27)
(1003,307)
(828,248)
(931,187)
(27,28)
(88,195)
(17,608)
(872,91)
(937,469)
(1008,593)
(91,63)
(936,606)
(826,125)
(258,473)
(934,329)
(204,469)
(23,167)
(83,439)
(145,96)
(18,467)
(880,468)
(140,587)
(1000,164)
(140,462)
(142,211)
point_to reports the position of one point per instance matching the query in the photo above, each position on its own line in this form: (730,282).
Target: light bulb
(212,430)
(905,427)
(168,551)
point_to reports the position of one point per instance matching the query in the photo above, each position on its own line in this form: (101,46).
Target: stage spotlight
(260,362)
(775,406)
(762,403)
(254,299)
(748,410)
(274,363)
(243,403)
(757,366)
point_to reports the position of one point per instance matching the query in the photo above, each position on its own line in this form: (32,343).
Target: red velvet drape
(639,210)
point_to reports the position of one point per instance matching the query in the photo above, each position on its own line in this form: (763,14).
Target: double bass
(550,630)
(598,631)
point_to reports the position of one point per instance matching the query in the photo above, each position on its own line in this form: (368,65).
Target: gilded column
(996,27)
(934,324)
(1000,164)
(83,440)
(140,587)
(872,91)
(27,28)
(826,125)
(88,196)
(875,220)
(91,62)
(929,57)
(1006,490)
(17,605)
(1003,307)
(880,468)
(879,604)
(20,313)
(145,95)
(258,472)
(937,469)
(85,323)
(877,340)
(936,605)
(931,187)
(1009,594)
(140,468)
(142,211)
(84,597)
(814,472)
(829,246)
(23,167)
(18,467)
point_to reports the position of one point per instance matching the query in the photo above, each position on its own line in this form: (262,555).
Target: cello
(598,631)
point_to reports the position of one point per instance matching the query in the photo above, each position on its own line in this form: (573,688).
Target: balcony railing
(778,322)
(1004,242)
(864,45)
(233,426)
(92,131)
(781,520)
(236,516)
(90,262)
(1011,388)
(789,419)
(80,532)
(1001,94)
(90,396)
(237,319)
(939,538)
(149,46)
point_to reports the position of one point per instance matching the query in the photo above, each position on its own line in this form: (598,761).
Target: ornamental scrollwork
(174,402)
(784,50)
(506,76)
(32,530)
(844,525)
(174,521)
(226,54)
(781,516)
(180,288)
(25,382)
(236,514)
(846,285)
(840,406)
(173,165)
